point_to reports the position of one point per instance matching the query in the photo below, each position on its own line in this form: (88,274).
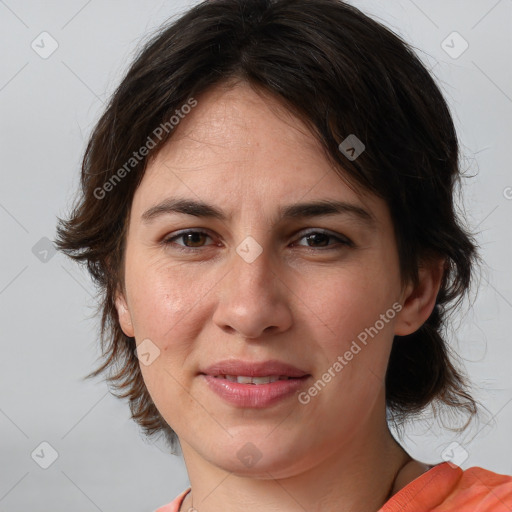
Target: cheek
(164,297)
(167,308)
(346,301)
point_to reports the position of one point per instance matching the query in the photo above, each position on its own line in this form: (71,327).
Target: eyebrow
(293,211)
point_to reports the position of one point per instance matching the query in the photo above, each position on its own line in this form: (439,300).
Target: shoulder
(481,490)
(448,488)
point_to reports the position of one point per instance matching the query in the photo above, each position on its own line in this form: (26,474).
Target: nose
(253,300)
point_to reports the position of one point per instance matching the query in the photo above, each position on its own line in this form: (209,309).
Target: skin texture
(302,301)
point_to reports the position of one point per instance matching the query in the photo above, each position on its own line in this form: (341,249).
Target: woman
(267,205)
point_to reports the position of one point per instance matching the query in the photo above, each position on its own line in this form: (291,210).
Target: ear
(419,301)
(125,318)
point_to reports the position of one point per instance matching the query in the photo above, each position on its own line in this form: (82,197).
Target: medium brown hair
(341,73)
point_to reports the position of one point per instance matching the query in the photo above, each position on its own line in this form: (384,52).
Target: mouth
(255,386)
(245,384)
(246,372)
(245,379)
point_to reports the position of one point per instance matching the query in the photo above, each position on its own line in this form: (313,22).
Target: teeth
(242,379)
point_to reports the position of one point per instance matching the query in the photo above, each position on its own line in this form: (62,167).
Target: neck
(360,475)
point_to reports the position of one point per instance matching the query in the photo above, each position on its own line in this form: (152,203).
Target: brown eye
(194,239)
(190,239)
(321,239)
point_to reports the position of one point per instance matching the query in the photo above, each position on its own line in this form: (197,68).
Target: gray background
(48,331)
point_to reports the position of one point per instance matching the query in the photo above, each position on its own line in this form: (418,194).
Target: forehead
(241,147)
(235,129)
(234,115)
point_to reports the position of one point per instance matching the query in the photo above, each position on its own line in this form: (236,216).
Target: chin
(256,456)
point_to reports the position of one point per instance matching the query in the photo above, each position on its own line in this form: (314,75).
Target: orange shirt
(448,488)
(444,488)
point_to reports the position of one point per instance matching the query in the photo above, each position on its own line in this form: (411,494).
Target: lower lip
(254,395)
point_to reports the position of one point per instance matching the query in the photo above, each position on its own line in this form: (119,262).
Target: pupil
(193,238)
(317,238)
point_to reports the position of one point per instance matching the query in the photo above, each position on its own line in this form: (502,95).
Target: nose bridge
(250,300)
(252,266)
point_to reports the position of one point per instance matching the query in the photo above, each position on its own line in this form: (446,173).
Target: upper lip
(253,369)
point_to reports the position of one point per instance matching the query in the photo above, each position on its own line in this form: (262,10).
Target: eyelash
(344,241)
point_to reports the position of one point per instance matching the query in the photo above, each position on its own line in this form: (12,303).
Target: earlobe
(419,301)
(125,318)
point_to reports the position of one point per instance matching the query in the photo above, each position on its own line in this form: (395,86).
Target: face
(255,284)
